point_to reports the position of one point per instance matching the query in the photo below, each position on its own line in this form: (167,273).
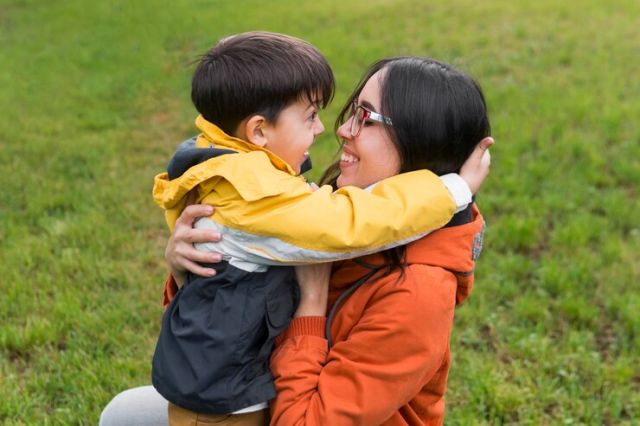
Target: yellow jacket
(268,215)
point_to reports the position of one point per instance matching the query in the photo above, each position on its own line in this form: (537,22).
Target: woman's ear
(254,130)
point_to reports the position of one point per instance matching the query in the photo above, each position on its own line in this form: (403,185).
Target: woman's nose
(343,131)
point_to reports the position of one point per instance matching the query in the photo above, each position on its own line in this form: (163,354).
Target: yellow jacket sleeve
(269,214)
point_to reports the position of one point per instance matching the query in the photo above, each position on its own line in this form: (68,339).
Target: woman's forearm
(313,281)
(312,305)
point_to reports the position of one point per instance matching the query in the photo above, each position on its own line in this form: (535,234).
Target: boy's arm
(299,226)
(293,225)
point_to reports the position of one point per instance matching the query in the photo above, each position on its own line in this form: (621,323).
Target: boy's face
(294,132)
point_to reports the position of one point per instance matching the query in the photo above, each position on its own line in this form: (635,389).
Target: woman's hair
(438,112)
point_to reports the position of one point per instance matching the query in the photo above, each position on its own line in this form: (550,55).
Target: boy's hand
(313,281)
(476,168)
(180,253)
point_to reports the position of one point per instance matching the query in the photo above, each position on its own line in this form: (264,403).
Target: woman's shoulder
(418,285)
(421,299)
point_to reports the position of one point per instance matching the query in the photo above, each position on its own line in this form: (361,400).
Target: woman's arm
(313,281)
(180,253)
(395,348)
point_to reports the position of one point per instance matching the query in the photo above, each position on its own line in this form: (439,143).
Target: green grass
(95,96)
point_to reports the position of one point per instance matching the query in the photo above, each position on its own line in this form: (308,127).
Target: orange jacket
(390,358)
(170,290)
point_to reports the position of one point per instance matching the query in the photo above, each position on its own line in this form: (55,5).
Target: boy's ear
(255,130)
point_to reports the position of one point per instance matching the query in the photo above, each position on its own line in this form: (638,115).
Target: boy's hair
(258,73)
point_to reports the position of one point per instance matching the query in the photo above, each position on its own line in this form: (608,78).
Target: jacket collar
(454,248)
(213,135)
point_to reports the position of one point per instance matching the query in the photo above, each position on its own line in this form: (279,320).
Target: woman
(390,315)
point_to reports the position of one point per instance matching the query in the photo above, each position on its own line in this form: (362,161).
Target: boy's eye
(313,115)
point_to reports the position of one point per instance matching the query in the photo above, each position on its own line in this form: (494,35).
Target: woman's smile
(371,155)
(348,158)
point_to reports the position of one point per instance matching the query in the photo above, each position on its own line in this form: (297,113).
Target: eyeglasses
(361,114)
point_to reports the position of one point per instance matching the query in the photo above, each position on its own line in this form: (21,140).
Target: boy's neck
(240,132)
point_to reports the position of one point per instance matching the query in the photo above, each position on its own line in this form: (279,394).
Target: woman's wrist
(313,281)
(312,305)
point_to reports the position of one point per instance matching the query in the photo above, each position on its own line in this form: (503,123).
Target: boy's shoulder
(188,155)
(252,174)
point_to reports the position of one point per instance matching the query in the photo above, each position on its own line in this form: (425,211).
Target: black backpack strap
(348,292)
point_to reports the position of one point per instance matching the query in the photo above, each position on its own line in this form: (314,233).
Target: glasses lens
(354,124)
(357,120)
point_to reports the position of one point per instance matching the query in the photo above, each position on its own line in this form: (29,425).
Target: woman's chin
(346,180)
(342,181)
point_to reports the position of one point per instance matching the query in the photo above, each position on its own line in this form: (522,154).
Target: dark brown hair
(439,115)
(258,73)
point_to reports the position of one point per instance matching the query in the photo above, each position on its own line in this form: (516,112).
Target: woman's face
(371,156)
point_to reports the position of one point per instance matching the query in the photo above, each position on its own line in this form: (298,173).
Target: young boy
(258,95)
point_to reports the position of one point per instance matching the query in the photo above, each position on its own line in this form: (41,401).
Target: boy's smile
(295,130)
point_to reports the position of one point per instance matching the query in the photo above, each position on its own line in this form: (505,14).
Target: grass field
(94,96)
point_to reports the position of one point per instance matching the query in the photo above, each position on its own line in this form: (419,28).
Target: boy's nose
(319,127)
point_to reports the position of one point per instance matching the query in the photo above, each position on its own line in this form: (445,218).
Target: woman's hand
(180,253)
(476,168)
(314,289)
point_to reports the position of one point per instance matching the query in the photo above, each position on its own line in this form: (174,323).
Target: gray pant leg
(142,406)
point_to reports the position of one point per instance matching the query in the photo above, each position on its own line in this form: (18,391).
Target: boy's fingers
(477,157)
(486,143)
(487,156)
